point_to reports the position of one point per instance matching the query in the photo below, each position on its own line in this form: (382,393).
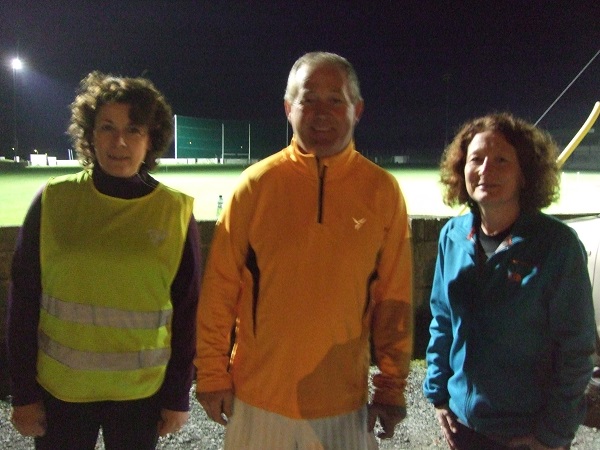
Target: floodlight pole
(16,65)
(175,133)
(222,143)
(446,78)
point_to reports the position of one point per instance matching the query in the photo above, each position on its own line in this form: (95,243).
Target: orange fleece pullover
(309,260)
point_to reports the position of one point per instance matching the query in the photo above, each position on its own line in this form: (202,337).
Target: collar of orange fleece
(312,164)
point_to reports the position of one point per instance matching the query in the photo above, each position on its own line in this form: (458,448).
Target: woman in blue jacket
(513,321)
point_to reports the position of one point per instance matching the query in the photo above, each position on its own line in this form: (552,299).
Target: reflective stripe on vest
(80,360)
(104,316)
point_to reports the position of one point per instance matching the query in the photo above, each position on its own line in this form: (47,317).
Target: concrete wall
(425,233)
(7,243)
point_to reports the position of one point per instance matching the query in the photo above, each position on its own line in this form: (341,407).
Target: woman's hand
(447,421)
(532,443)
(171,421)
(29,420)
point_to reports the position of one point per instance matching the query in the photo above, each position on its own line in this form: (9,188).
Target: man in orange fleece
(311,261)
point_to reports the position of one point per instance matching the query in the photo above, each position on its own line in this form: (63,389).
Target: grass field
(580,191)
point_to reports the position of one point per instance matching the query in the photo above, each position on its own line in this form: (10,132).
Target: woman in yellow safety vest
(105,281)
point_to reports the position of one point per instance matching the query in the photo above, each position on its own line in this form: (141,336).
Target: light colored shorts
(251,428)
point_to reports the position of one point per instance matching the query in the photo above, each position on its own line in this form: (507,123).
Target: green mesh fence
(231,139)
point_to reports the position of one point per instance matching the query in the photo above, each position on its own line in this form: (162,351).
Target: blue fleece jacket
(511,336)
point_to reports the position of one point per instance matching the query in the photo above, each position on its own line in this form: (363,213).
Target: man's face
(322,115)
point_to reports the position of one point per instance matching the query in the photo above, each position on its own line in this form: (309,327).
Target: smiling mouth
(487,186)
(321,127)
(118,158)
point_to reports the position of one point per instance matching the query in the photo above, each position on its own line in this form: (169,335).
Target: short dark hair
(536,153)
(148,107)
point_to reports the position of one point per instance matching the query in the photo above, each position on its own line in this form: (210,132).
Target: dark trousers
(126,425)
(468,439)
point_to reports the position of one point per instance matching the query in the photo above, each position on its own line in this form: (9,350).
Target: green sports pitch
(580,191)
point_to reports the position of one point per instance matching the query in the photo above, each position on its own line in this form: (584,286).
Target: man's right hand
(218,405)
(29,420)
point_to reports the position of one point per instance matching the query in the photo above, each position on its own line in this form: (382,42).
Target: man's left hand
(389,416)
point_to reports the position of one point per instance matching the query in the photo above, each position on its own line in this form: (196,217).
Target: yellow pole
(579,136)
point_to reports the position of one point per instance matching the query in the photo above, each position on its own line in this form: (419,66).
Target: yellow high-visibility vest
(107,267)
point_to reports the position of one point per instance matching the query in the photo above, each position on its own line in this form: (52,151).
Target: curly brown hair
(148,107)
(536,152)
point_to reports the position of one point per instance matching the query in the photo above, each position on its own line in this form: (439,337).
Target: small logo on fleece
(358,223)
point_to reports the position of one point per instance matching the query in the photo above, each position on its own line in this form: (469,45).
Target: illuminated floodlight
(16,64)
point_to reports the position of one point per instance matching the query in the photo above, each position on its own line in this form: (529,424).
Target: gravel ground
(418,431)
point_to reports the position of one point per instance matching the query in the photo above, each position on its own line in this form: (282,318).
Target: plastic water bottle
(219,205)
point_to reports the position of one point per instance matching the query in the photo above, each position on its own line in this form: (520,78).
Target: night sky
(425,66)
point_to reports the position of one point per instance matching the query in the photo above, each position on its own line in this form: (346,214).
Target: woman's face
(492,172)
(119,145)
